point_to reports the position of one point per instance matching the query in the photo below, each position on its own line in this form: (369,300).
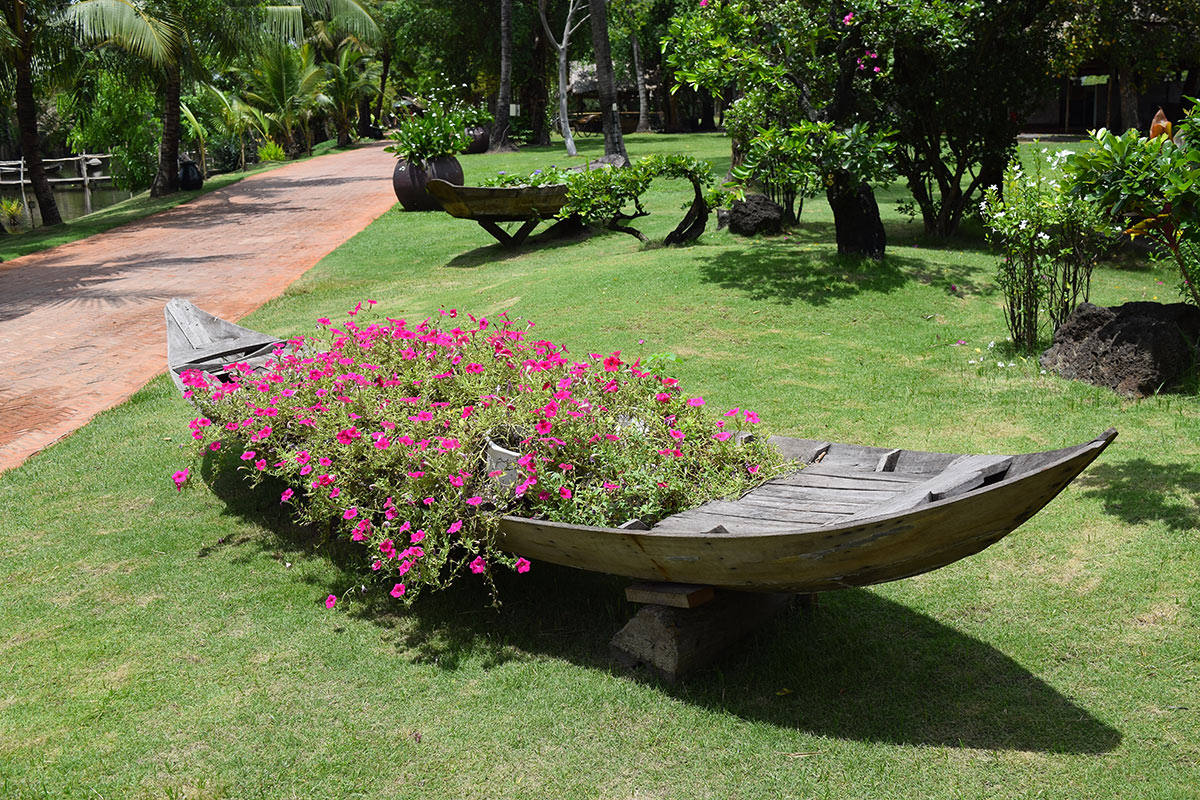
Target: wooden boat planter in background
(491,205)
(852,516)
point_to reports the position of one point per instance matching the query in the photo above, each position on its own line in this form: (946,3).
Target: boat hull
(813,559)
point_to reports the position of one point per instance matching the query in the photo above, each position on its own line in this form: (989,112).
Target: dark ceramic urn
(408,181)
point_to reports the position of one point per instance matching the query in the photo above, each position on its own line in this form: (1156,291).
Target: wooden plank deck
(809,498)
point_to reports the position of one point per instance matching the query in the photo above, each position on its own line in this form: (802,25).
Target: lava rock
(1135,349)
(754,215)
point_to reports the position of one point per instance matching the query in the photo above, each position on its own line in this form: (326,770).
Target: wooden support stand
(684,627)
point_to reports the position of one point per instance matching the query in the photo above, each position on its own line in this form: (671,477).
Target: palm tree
(26,38)
(285,84)
(348,80)
(234,117)
(175,36)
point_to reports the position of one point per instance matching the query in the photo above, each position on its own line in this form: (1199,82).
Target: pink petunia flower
(350,513)
(455,526)
(180,478)
(564,493)
(287,495)
(397,590)
(331,601)
(522,565)
(478,565)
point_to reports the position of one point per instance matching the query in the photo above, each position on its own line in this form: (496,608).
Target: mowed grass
(164,645)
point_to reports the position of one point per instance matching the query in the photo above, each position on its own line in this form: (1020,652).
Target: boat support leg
(683,628)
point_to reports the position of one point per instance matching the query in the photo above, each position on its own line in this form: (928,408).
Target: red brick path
(81,326)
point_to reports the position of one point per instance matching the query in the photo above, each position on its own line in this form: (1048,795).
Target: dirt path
(81,326)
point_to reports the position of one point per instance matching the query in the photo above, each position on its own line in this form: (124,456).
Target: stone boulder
(1136,349)
(754,215)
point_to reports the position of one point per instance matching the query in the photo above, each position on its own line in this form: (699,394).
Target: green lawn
(158,645)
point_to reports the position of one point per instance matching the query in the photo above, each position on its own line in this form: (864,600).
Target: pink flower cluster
(379,428)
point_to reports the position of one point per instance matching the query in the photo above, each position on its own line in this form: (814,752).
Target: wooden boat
(198,340)
(490,205)
(852,516)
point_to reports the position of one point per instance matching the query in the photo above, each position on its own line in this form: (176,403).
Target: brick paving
(81,325)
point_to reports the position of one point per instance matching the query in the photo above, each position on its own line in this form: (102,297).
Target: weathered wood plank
(697,520)
(887,461)
(841,479)
(676,595)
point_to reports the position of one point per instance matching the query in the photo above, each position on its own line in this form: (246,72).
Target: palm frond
(158,39)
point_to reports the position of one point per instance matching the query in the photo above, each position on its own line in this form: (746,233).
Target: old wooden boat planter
(491,205)
(853,516)
(198,340)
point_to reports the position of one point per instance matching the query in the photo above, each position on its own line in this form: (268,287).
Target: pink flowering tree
(380,432)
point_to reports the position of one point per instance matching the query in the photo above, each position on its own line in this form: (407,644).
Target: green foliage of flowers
(1050,239)
(1153,186)
(381,431)
(437,133)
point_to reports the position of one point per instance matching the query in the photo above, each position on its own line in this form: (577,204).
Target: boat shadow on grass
(547,239)
(859,667)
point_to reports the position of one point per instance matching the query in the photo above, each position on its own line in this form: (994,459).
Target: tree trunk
(561,47)
(385,65)
(31,148)
(856,217)
(500,141)
(166,180)
(639,75)
(536,94)
(614,143)
(363,128)
(1129,99)
(707,111)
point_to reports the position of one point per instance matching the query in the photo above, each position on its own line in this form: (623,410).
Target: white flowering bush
(1049,241)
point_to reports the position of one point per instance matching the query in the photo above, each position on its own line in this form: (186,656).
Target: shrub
(12,214)
(380,431)
(271,151)
(1050,240)
(1152,185)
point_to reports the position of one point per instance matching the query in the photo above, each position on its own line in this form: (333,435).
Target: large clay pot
(479,140)
(408,181)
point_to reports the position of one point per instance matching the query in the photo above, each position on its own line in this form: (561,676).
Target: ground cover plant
(160,644)
(382,432)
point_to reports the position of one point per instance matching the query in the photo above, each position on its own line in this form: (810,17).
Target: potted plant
(425,147)
(477,121)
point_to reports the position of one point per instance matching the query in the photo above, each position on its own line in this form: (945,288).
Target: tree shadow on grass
(1135,491)
(860,668)
(778,270)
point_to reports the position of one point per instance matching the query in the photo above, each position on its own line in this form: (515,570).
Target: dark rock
(1136,349)
(754,215)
